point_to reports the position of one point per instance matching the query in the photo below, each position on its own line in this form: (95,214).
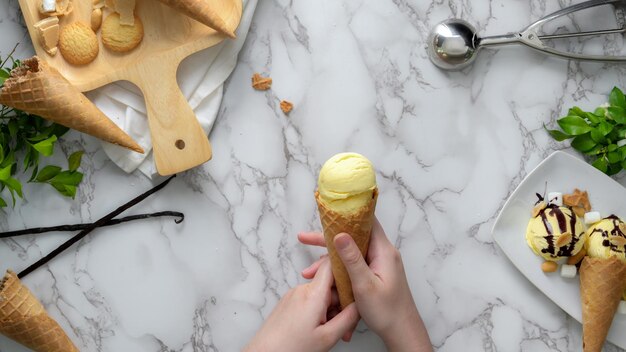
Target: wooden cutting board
(179,143)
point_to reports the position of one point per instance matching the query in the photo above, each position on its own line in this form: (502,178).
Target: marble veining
(449,148)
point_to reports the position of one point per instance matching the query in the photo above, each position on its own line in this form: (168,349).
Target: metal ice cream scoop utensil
(453,44)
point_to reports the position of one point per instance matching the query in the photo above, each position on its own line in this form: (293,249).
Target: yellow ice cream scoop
(606,239)
(555,232)
(346,182)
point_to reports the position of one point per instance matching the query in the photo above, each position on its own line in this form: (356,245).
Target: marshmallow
(622,307)
(555,198)
(592,217)
(49,5)
(568,271)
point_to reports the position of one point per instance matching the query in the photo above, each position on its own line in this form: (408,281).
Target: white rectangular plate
(563,173)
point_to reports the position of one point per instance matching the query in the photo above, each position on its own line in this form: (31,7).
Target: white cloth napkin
(201,78)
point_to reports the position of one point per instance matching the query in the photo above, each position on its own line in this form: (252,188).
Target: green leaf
(576,111)
(47,173)
(68,178)
(612,147)
(33,174)
(66,190)
(605,127)
(601,164)
(3,76)
(59,130)
(9,159)
(600,112)
(3,203)
(598,149)
(617,114)
(13,128)
(574,125)
(593,118)
(74,160)
(557,135)
(597,135)
(583,143)
(31,158)
(613,157)
(614,169)
(616,98)
(46,147)
(5,173)
(15,185)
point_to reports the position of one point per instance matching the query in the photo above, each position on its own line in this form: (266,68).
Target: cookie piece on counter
(78,43)
(118,37)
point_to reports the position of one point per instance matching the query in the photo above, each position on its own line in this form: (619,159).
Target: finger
(309,272)
(324,277)
(347,336)
(378,241)
(342,323)
(312,239)
(360,274)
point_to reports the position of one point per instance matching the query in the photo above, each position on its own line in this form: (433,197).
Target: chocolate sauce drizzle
(562,219)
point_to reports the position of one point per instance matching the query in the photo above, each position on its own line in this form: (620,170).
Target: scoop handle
(178,141)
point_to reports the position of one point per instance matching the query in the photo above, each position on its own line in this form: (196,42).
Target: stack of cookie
(122,30)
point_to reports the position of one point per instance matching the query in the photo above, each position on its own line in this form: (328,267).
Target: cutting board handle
(178,141)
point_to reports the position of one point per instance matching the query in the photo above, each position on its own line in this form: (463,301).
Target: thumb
(342,323)
(353,260)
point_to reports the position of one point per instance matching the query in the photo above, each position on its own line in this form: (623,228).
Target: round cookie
(78,43)
(118,37)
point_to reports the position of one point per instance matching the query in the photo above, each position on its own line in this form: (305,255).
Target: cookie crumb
(261,83)
(286,106)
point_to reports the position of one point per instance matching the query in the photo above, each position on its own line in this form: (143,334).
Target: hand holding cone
(203,12)
(346,200)
(39,89)
(24,320)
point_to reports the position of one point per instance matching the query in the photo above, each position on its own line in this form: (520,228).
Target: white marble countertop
(449,149)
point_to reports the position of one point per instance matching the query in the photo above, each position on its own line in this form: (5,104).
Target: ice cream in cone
(346,199)
(203,12)
(39,89)
(602,279)
(602,282)
(24,320)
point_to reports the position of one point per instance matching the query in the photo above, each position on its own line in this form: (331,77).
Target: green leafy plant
(601,134)
(24,140)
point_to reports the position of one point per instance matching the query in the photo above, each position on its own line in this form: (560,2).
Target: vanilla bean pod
(67,244)
(180,217)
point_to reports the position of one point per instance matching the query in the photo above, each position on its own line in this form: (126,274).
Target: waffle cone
(602,282)
(201,11)
(359,226)
(24,320)
(41,90)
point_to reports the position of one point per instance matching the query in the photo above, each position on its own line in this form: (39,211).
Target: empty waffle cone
(203,12)
(24,320)
(602,282)
(359,226)
(41,90)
